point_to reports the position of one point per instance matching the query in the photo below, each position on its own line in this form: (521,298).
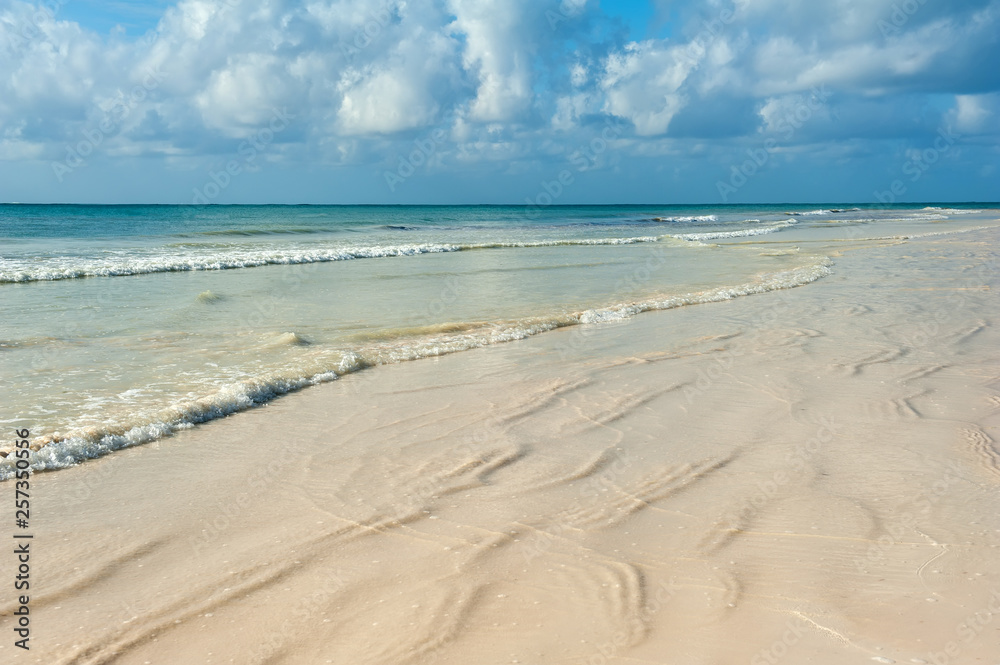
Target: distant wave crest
(686,219)
(57,268)
(741,233)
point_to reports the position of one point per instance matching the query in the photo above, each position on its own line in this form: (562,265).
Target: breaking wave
(63,450)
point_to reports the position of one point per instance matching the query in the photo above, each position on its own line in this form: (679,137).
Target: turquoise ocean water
(122,324)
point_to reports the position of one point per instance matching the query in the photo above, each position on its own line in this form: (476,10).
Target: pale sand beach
(807,475)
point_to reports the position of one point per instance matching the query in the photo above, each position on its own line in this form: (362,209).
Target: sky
(499,101)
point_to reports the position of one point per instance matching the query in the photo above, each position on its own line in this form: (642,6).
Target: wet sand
(801,476)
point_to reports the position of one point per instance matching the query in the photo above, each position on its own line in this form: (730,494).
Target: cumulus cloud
(976,114)
(508,81)
(401,92)
(643,85)
(501,39)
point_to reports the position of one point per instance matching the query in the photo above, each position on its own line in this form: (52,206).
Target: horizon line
(872,204)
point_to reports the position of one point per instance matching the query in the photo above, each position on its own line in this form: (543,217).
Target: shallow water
(134,321)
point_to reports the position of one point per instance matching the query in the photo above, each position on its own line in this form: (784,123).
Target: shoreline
(806,473)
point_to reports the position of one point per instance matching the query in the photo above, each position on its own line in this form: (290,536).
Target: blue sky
(497,101)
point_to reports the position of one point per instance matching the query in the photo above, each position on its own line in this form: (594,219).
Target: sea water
(122,324)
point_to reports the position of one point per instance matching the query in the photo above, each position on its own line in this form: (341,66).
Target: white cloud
(385,102)
(244,92)
(642,84)
(495,74)
(568,111)
(501,41)
(975,114)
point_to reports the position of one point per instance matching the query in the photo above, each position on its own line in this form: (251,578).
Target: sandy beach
(478,332)
(802,476)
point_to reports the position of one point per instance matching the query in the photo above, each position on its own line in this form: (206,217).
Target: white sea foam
(123,265)
(741,233)
(58,268)
(931,234)
(96,442)
(811,212)
(952,211)
(77,446)
(558,243)
(687,219)
(785,279)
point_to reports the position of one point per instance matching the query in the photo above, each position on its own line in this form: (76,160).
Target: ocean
(120,325)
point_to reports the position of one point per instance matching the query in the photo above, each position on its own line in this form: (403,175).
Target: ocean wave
(60,451)
(931,234)
(287,230)
(687,220)
(40,269)
(566,243)
(813,212)
(741,233)
(951,211)
(785,279)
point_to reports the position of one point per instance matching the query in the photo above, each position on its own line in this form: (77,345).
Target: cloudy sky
(494,101)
